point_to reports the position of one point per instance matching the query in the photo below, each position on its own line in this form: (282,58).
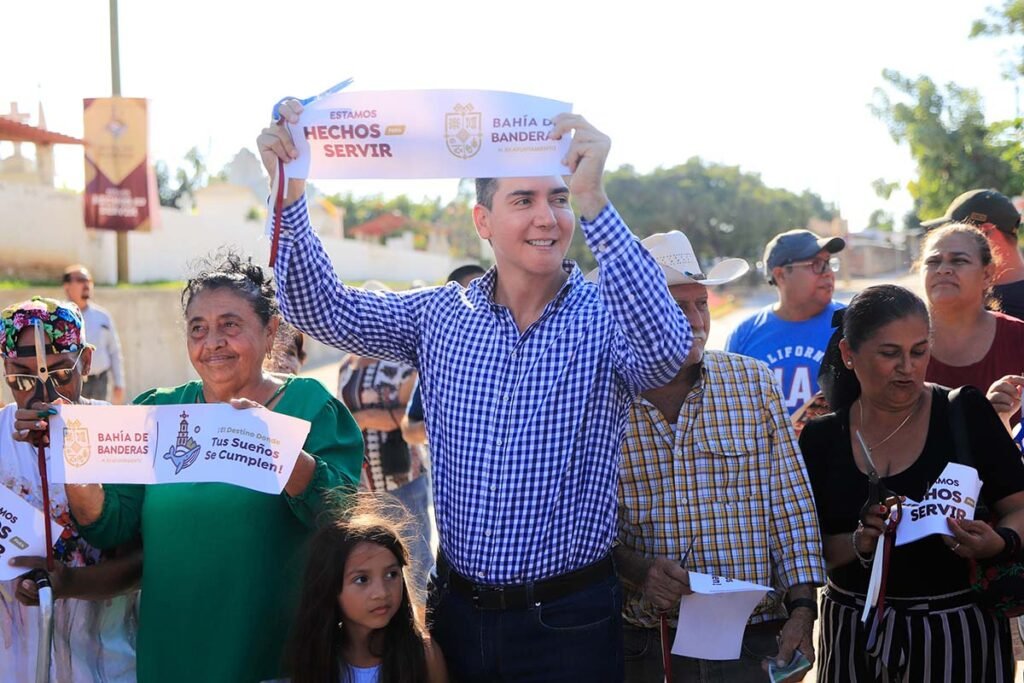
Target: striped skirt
(942,638)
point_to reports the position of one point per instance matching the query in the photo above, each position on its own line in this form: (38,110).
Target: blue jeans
(577,637)
(415,496)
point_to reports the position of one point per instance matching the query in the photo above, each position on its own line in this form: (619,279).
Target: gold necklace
(913,411)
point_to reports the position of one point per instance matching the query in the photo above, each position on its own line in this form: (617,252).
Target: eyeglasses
(817,265)
(62,377)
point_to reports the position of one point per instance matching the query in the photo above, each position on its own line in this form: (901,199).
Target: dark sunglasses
(62,377)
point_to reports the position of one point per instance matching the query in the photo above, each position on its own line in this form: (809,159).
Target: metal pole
(115,86)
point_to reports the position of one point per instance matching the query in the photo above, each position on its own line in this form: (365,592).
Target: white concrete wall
(42,232)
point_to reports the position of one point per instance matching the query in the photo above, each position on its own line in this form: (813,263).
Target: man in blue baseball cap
(791,334)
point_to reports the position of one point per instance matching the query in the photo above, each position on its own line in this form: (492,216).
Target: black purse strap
(961,444)
(958,425)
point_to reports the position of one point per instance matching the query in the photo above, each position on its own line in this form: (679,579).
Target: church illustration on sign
(185,450)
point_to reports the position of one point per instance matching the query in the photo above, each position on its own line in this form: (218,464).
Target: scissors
(46,390)
(878,492)
(337,87)
(686,555)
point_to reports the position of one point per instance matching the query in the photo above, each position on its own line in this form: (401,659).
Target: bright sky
(778,88)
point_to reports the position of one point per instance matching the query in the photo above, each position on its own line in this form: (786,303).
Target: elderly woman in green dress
(222,564)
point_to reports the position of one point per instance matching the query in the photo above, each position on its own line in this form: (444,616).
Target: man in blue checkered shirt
(526,378)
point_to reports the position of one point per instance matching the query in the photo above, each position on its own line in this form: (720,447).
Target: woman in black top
(932,629)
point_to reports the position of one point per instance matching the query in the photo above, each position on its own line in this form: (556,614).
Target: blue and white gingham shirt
(524,428)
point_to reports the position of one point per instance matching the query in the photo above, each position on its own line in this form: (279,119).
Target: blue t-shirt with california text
(793,350)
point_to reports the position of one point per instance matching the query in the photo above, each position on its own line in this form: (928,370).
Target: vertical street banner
(119,194)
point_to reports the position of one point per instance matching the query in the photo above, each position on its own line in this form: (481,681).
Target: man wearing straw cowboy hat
(713,451)
(93,631)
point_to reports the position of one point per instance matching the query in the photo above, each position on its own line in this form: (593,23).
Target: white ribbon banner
(253,448)
(954,495)
(428,134)
(21,532)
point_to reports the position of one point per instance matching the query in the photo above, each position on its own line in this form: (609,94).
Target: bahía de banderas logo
(76,444)
(185,450)
(463,131)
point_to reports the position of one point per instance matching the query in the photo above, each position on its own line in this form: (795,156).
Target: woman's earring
(340,623)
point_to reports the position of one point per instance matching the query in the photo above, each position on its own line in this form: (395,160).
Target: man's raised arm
(655,334)
(312,297)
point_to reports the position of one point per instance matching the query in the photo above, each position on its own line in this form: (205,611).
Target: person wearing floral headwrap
(95,615)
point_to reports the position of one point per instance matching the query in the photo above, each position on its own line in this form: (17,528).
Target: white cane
(42,581)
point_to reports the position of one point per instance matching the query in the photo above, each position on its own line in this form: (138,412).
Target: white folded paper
(713,619)
(21,532)
(253,448)
(954,495)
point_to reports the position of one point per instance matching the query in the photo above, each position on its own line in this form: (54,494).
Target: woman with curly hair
(221,563)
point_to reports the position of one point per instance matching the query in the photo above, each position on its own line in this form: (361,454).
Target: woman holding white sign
(97,601)
(889,422)
(222,564)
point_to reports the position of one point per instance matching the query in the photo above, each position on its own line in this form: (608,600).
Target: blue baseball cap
(793,246)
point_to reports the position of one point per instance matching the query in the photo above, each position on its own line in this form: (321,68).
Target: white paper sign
(255,448)
(954,495)
(713,619)
(428,134)
(21,532)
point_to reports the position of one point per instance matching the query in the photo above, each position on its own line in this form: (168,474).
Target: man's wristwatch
(803,602)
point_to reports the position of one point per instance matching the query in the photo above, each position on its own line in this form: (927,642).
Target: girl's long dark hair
(315,651)
(872,309)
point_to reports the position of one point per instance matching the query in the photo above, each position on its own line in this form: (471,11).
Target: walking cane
(42,581)
(45,392)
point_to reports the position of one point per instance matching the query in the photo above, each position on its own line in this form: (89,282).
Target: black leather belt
(523,595)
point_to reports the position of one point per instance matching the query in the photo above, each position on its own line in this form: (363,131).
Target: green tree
(187,179)
(952,145)
(454,219)
(881,220)
(883,188)
(724,211)
(1007,20)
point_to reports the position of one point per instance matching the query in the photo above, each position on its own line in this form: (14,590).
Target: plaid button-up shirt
(728,473)
(525,429)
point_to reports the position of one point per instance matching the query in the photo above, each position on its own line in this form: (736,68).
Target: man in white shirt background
(107,362)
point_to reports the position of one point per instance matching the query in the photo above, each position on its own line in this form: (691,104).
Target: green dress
(222,565)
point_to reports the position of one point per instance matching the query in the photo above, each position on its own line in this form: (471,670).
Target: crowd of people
(586,454)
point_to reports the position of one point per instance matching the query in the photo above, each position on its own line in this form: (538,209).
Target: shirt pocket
(727,470)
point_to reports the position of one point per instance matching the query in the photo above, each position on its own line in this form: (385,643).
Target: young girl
(356,620)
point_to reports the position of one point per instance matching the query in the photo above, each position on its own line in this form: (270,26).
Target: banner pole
(115,87)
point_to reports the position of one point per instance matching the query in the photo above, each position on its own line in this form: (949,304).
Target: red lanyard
(46,507)
(666,652)
(278,208)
